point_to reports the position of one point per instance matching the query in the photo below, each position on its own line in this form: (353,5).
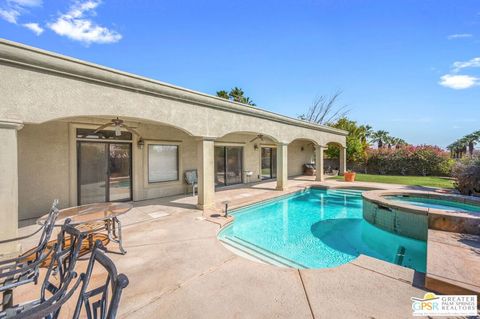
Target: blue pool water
(436,203)
(319,229)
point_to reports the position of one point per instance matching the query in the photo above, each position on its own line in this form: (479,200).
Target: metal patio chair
(24,269)
(104,307)
(60,272)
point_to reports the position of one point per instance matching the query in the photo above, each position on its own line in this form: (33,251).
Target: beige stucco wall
(42,86)
(47,161)
(52,94)
(43,168)
(297,157)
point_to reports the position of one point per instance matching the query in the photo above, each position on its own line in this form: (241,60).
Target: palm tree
(223,94)
(380,137)
(400,142)
(247,100)
(236,94)
(471,140)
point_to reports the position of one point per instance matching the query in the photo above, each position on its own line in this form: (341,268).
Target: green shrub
(423,160)
(467,175)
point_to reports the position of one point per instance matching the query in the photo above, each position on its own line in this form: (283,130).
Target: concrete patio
(178,269)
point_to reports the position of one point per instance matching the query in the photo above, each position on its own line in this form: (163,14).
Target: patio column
(343,160)
(9,184)
(282,166)
(319,163)
(206,175)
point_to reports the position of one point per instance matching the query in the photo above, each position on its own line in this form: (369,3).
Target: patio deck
(178,269)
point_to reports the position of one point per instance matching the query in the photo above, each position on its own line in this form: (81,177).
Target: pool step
(344,192)
(260,253)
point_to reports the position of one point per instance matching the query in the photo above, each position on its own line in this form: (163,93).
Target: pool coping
(378,197)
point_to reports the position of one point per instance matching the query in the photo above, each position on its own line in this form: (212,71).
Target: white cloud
(9,15)
(458,82)
(459,36)
(473,63)
(12,9)
(34,27)
(76,25)
(27,3)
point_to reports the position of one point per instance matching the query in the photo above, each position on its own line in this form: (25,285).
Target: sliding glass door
(104,172)
(228,165)
(269,163)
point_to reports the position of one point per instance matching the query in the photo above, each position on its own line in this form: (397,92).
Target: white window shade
(162,163)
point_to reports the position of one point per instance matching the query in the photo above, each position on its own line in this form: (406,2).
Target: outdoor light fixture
(255,147)
(301,148)
(141,143)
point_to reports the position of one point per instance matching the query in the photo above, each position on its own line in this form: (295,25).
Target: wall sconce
(301,148)
(255,147)
(141,143)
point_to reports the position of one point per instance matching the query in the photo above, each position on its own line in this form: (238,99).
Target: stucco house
(54,142)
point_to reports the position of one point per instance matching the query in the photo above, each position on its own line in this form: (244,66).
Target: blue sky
(410,67)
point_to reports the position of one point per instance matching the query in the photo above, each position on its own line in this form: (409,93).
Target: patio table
(96,217)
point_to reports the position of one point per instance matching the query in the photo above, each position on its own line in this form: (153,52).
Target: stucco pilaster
(9,184)
(282,166)
(319,163)
(343,160)
(206,176)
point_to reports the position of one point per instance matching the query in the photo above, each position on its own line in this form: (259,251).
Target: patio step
(452,263)
(260,253)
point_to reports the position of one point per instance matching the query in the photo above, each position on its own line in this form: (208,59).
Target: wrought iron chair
(62,262)
(24,269)
(104,307)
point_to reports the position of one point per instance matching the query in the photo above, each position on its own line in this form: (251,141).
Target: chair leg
(120,243)
(7,300)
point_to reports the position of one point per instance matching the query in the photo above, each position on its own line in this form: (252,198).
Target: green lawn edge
(428,181)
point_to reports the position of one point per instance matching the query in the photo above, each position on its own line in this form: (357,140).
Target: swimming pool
(318,229)
(435,203)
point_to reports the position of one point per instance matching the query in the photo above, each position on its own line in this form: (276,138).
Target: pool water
(318,229)
(436,203)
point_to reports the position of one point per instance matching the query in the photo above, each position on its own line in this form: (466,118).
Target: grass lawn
(429,181)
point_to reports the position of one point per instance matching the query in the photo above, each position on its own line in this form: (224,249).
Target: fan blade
(102,127)
(130,129)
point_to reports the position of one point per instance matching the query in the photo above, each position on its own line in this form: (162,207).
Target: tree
(237,95)
(464,144)
(223,94)
(357,143)
(380,137)
(325,110)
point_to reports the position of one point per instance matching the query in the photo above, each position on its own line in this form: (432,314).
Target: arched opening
(301,157)
(79,160)
(334,159)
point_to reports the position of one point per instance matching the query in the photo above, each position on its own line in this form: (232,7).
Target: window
(102,135)
(162,163)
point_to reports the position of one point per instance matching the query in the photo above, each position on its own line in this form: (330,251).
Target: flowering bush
(467,174)
(420,160)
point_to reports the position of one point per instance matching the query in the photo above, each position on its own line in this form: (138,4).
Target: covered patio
(82,133)
(179,269)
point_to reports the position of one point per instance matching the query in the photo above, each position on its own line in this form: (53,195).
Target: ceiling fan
(117,124)
(259,136)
